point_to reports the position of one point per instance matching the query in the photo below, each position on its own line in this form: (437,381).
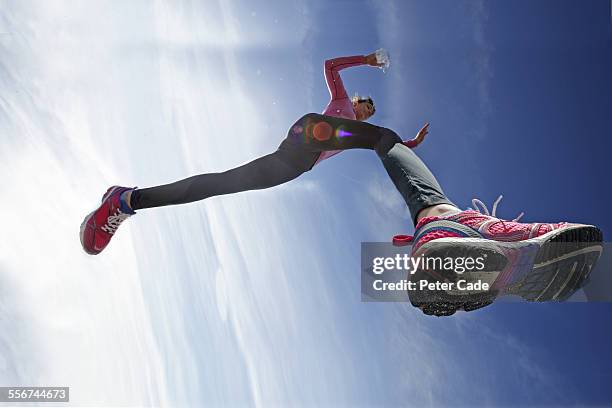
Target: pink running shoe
(99,226)
(538,262)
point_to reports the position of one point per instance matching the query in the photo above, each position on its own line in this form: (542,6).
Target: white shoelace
(113,221)
(476,202)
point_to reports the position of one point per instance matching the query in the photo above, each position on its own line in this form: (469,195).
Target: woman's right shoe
(537,261)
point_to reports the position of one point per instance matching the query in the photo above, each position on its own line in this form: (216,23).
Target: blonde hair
(358,99)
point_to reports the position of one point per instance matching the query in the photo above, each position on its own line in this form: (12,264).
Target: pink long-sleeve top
(340,104)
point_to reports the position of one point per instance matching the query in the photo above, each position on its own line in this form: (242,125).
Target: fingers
(371,60)
(422,133)
(425,129)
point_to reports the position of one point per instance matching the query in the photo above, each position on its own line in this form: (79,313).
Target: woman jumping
(538,261)
(294,157)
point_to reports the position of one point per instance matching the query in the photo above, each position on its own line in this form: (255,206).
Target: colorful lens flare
(342,133)
(322,131)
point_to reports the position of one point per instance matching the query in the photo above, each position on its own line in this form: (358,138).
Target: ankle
(126,202)
(128,198)
(437,210)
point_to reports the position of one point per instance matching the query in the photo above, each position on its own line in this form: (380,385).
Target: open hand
(422,133)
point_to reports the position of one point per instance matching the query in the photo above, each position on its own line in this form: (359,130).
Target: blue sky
(254,299)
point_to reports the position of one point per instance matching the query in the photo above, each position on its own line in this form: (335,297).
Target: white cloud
(240,300)
(188,303)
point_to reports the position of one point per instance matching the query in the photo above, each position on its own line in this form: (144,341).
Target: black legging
(306,139)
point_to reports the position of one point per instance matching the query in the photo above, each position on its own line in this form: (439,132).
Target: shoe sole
(546,268)
(108,193)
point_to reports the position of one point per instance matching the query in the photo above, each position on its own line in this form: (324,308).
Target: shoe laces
(113,221)
(484,210)
(401,240)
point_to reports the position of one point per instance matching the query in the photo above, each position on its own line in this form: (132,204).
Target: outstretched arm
(335,65)
(332,74)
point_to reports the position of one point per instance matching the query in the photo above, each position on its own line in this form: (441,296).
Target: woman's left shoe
(99,226)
